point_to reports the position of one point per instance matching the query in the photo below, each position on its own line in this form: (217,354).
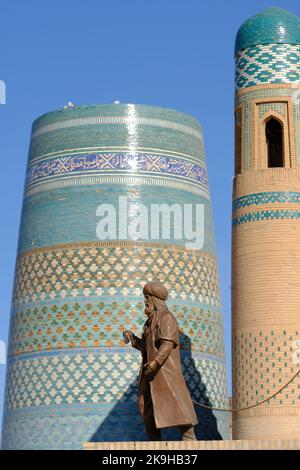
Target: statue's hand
(150,368)
(128,336)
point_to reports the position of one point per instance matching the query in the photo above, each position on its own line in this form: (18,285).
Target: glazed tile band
(128,121)
(131,163)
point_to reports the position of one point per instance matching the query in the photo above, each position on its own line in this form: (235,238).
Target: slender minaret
(266,226)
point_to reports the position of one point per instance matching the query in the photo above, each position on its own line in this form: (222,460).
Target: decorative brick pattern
(95,324)
(271,63)
(96,377)
(270,355)
(92,394)
(256,216)
(266,198)
(265,322)
(95,270)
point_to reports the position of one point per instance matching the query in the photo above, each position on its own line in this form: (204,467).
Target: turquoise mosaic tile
(292,197)
(271,63)
(68,215)
(79,396)
(257,216)
(123,126)
(123,163)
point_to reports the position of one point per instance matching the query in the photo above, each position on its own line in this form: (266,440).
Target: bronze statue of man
(164,400)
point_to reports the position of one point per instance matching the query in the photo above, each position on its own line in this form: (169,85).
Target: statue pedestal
(259,444)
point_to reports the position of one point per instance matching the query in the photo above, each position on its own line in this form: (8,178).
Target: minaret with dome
(266,226)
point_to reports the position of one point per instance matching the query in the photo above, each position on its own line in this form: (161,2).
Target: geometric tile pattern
(271,355)
(60,400)
(270,63)
(96,377)
(70,428)
(92,324)
(65,379)
(65,344)
(105,162)
(292,197)
(278,214)
(89,423)
(95,270)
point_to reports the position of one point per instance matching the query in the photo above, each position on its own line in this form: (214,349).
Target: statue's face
(149,305)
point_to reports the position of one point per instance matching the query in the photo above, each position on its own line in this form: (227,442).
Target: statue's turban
(156,289)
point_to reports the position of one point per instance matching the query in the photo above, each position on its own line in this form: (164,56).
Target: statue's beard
(149,309)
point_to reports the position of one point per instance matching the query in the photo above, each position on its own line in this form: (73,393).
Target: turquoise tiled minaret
(70,376)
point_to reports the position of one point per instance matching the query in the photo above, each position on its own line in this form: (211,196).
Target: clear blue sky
(171,53)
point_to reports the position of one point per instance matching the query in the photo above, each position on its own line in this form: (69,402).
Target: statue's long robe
(165,395)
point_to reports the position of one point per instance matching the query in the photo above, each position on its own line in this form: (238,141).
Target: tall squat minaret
(266,226)
(93,171)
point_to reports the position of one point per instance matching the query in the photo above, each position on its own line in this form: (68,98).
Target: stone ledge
(245,444)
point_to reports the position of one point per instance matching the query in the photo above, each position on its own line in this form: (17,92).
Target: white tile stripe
(190,186)
(116,120)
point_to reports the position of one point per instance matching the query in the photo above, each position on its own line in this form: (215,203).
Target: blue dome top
(272,26)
